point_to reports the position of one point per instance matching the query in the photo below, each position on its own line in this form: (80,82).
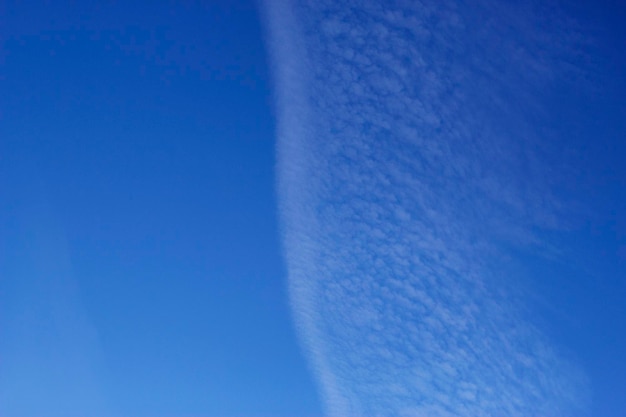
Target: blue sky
(139,254)
(432,194)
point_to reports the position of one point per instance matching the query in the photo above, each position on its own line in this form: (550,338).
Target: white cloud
(409,146)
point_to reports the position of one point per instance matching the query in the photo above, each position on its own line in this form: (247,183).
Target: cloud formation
(50,353)
(412,148)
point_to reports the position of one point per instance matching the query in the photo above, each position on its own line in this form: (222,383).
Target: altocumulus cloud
(411,150)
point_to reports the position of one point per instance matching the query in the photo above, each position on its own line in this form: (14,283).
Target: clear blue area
(140,269)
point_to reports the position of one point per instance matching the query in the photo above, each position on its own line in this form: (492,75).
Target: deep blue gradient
(139,255)
(140,248)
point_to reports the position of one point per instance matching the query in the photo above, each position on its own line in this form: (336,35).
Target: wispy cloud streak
(412,147)
(49,351)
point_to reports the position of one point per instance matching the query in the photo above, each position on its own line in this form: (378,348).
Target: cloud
(412,145)
(51,356)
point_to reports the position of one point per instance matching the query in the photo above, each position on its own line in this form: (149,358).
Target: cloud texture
(413,150)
